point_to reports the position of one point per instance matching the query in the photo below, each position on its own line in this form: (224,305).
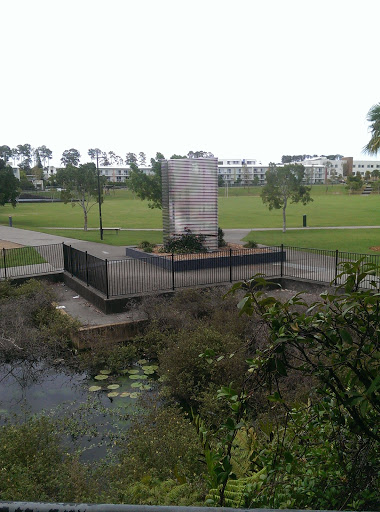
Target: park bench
(112,229)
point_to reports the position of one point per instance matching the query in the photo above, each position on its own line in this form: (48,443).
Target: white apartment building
(362,166)
(241,170)
(118,173)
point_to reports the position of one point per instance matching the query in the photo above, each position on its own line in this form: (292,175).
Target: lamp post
(99,198)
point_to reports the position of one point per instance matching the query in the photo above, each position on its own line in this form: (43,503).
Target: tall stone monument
(190,198)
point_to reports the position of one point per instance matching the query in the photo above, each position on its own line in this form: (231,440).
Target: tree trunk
(85,221)
(284,218)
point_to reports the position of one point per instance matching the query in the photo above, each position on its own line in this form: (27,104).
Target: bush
(187,374)
(146,246)
(221,241)
(36,467)
(186,243)
(251,244)
(161,444)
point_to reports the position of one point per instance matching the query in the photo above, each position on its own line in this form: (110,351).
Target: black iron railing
(29,261)
(151,273)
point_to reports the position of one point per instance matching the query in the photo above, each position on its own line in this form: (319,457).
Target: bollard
(304,221)
(10,221)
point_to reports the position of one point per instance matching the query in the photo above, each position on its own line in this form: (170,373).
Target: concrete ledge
(124,303)
(117,332)
(100,301)
(56,277)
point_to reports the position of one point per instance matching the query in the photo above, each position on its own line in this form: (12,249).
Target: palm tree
(373,117)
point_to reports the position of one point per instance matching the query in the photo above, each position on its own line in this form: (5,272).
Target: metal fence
(320,265)
(29,261)
(152,273)
(89,269)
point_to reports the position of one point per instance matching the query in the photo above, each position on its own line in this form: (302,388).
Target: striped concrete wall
(190,198)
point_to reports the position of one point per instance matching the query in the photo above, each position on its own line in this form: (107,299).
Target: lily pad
(101,377)
(146,387)
(95,388)
(136,384)
(133,372)
(113,394)
(124,394)
(149,372)
(105,372)
(142,361)
(134,395)
(136,376)
(123,372)
(113,386)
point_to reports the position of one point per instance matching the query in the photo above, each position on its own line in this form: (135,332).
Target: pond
(96,404)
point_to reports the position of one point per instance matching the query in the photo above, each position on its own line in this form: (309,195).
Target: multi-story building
(242,171)
(119,173)
(362,166)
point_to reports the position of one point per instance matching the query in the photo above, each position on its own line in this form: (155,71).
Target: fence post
(336,265)
(173,283)
(107,290)
(230,265)
(71,261)
(5,263)
(282,260)
(86,270)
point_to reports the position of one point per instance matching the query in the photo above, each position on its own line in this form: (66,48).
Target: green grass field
(350,240)
(331,207)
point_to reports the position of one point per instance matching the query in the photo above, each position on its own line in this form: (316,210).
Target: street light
(99,198)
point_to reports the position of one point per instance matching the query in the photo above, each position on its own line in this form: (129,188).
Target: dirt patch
(4,244)
(375,248)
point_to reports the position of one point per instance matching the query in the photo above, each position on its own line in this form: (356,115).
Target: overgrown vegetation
(281,401)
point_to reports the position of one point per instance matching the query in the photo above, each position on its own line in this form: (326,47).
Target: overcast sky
(239,78)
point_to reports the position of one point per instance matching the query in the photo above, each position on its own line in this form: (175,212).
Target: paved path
(104,251)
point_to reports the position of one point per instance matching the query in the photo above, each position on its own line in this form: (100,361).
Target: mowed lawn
(240,210)
(347,240)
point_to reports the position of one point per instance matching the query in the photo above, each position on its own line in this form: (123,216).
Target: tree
(376,186)
(81,184)
(148,186)
(25,184)
(45,154)
(114,158)
(177,157)
(246,178)
(24,152)
(9,184)
(199,154)
(37,172)
(70,157)
(130,158)
(373,117)
(5,153)
(37,159)
(142,159)
(375,174)
(220,181)
(284,184)
(354,183)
